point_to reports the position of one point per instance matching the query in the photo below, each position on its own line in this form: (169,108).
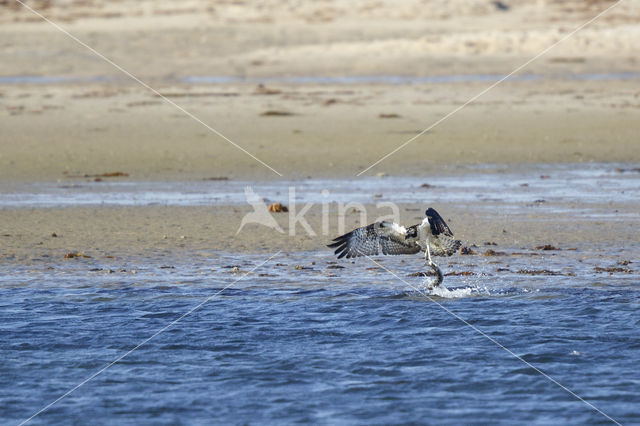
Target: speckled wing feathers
(371,239)
(443,245)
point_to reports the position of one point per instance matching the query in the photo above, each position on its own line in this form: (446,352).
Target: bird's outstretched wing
(443,245)
(369,240)
(437,223)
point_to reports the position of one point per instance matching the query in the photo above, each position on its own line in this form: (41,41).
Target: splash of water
(428,289)
(442,291)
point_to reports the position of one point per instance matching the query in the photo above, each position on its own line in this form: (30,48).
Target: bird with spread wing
(432,236)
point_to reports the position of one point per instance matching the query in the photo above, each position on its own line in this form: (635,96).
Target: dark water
(322,345)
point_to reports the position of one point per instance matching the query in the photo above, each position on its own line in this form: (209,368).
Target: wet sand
(169,232)
(102,122)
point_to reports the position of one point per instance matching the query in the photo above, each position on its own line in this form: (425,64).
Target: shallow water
(321,343)
(551,188)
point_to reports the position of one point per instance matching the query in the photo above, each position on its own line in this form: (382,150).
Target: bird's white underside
(399,229)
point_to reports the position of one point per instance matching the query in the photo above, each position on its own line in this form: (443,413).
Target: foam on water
(454,293)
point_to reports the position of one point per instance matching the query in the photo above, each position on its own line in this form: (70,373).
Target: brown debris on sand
(98,177)
(459,274)
(538,272)
(613,270)
(278,208)
(335,267)
(467,250)
(76,255)
(276,113)
(114,174)
(547,247)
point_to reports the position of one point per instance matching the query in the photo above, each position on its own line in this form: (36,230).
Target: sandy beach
(144,280)
(274,90)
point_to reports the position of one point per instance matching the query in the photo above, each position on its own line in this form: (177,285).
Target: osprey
(432,236)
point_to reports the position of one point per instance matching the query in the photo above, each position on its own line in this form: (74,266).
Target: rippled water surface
(218,337)
(305,339)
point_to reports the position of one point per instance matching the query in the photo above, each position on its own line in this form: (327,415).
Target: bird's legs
(427,254)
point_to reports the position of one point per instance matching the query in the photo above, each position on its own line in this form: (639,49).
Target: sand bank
(91,119)
(168,232)
(53,131)
(106,122)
